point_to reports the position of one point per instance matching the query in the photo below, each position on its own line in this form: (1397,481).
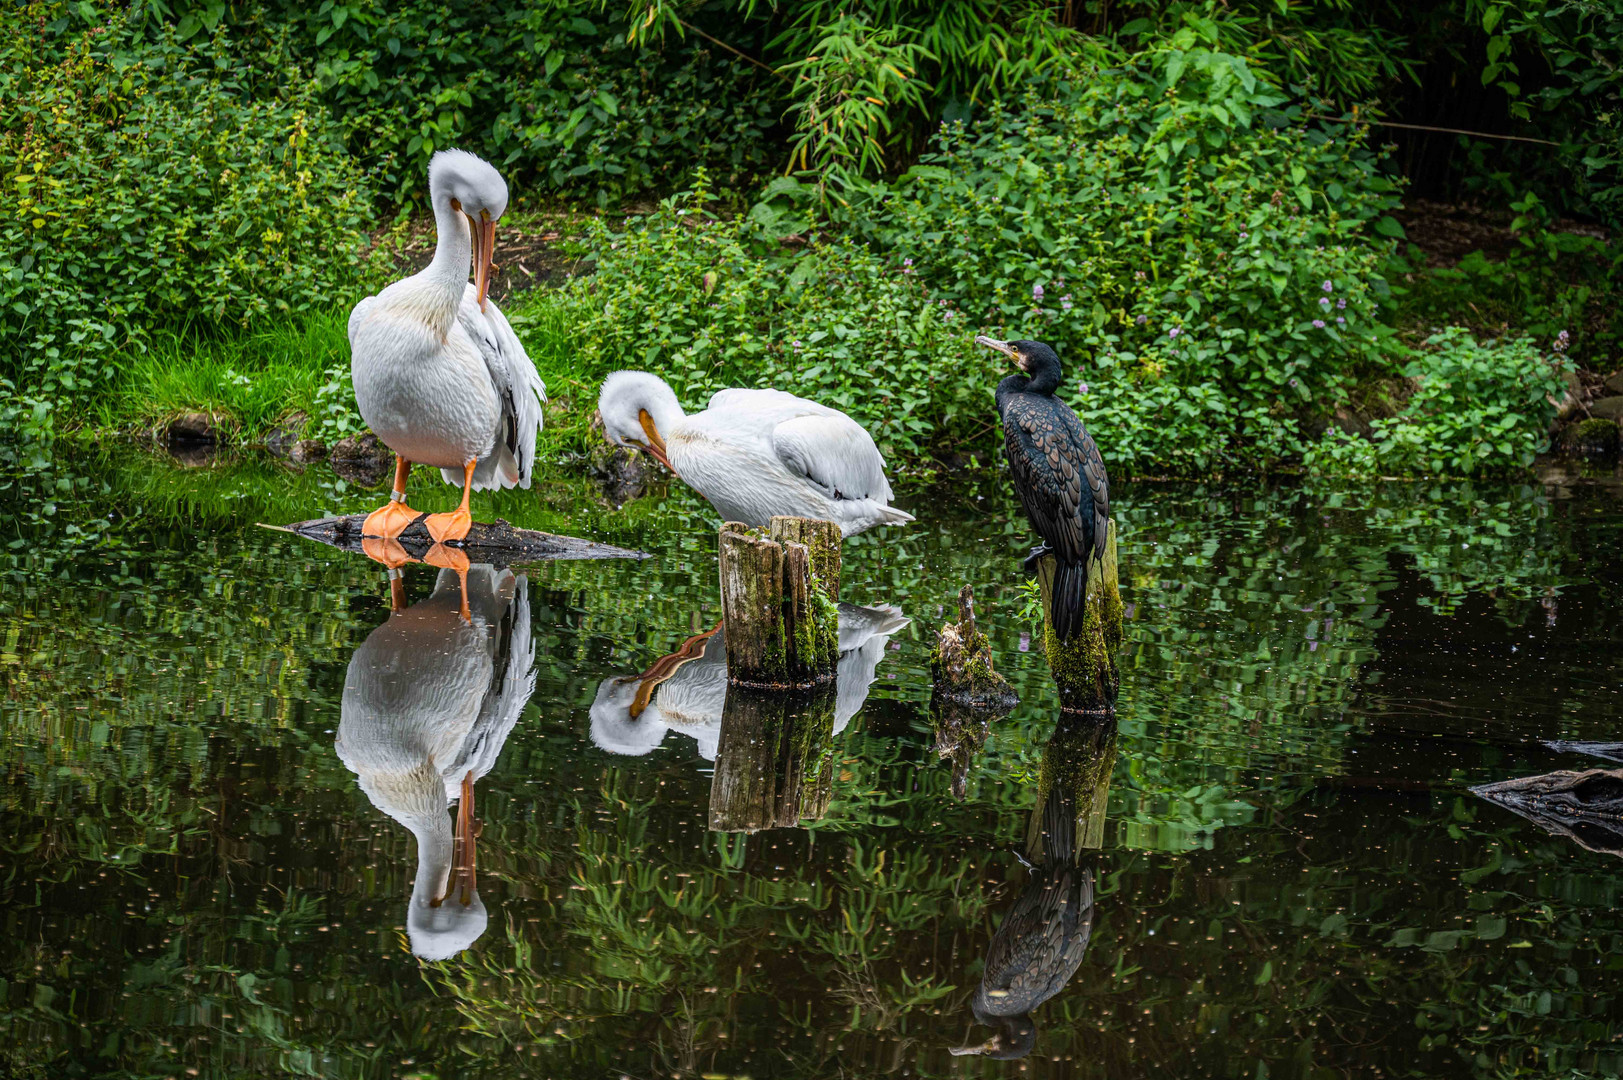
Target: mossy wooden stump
(1085,666)
(1073,789)
(775,760)
(961,663)
(779,587)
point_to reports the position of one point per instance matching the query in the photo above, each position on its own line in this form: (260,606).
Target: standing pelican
(439,375)
(755,453)
(429,700)
(1057,473)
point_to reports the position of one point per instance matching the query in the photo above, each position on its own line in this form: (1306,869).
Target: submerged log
(1085,666)
(775,759)
(497,543)
(961,663)
(782,625)
(1586,807)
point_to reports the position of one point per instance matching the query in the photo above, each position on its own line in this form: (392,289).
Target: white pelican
(429,699)
(439,375)
(687,690)
(755,453)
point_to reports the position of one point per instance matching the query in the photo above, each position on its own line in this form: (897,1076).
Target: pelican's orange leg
(455,525)
(390,554)
(447,558)
(391,519)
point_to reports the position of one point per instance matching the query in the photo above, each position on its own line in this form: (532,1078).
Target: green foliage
(709,303)
(1476,408)
(1209,267)
(549,90)
(153,188)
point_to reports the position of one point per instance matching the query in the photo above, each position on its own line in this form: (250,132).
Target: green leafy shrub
(1209,267)
(152,189)
(709,303)
(1477,408)
(553,92)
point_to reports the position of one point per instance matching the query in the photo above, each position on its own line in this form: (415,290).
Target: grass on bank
(255,381)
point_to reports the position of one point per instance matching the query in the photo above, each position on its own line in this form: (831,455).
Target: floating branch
(497,543)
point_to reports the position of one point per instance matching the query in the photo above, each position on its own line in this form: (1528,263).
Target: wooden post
(782,631)
(1085,667)
(775,760)
(1073,790)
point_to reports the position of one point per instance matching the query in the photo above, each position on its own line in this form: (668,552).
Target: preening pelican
(439,375)
(756,453)
(1057,473)
(686,691)
(429,700)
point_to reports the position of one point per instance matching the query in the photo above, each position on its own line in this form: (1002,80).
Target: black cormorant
(1057,472)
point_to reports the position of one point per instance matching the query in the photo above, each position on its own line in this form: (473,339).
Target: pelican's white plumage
(691,699)
(756,453)
(428,702)
(439,375)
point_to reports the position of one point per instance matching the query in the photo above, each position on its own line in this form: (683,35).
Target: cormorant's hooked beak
(1006,349)
(484,248)
(991,1045)
(656,443)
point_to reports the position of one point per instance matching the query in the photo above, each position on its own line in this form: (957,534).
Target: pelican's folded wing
(511,685)
(833,451)
(518,385)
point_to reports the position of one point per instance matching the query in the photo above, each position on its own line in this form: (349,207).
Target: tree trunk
(782,624)
(775,760)
(1085,666)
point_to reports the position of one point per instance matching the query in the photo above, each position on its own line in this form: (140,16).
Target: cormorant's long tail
(1070,598)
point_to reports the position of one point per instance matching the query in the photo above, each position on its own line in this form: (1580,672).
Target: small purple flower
(1296,382)
(1065,305)
(907,262)
(1142,319)
(1083,387)
(1244,235)
(1324,301)
(1173,332)
(1340,321)
(1318,324)
(797,346)
(1329,287)
(1037,292)
(1341,303)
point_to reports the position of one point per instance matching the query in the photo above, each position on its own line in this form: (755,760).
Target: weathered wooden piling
(778,593)
(1085,666)
(775,759)
(1073,789)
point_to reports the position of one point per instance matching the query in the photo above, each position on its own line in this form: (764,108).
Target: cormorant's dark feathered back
(1060,478)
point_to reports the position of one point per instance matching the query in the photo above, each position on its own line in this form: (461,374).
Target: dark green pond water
(206,871)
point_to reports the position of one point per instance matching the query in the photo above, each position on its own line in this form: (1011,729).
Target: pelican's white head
(440,932)
(637,409)
(615,728)
(460,182)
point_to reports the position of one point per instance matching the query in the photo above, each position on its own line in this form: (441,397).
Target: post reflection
(429,700)
(1040,942)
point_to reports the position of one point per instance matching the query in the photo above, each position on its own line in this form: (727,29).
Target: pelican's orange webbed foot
(389,520)
(391,554)
(452,526)
(455,525)
(449,558)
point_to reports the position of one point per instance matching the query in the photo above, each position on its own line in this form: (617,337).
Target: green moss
(1085,667)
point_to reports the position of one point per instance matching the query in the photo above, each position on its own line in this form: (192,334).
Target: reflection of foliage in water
(180,831)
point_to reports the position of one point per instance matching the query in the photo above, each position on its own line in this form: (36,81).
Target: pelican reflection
(686,690)
(429,700)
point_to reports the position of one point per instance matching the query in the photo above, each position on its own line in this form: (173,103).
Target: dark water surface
(217,860)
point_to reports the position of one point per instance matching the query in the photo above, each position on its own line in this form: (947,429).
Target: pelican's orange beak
(463,883)
(656,443)
(484,249)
